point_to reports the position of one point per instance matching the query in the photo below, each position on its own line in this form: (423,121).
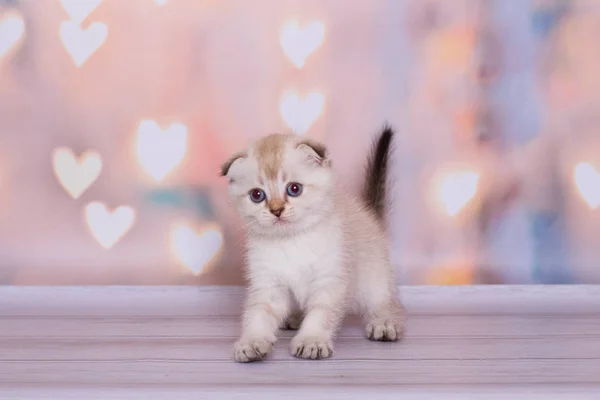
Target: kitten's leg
(324,313)
(265,310)
(386,323)
(383,313)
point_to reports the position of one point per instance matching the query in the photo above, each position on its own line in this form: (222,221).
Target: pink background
(507,88)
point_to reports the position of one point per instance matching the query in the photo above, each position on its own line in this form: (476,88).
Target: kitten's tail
(374,190)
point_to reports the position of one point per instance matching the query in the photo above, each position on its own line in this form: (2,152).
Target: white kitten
(313,251)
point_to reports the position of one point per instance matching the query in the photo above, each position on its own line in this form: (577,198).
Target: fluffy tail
(374,190)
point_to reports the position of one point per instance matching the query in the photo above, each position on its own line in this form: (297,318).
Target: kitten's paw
(385,330)
(311,347)
(292,322)
(251,350)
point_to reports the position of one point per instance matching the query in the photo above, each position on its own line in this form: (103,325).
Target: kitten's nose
(276,211)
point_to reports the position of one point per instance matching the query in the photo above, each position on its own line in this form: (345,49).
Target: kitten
(314,252)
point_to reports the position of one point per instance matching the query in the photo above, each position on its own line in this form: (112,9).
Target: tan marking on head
(269,154)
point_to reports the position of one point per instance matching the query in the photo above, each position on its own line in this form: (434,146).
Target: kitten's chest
(296,261)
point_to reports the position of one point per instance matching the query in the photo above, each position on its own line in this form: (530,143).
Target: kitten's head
(281,185)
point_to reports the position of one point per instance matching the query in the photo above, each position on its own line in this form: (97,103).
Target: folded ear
(226,166)
(315,152)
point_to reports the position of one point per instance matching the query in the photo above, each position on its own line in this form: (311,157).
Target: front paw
(249,350)
(385,330)
(311,347)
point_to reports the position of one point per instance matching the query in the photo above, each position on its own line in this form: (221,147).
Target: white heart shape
(193,250)
(587,180)
(300,114)
(76,175)
(161,2)
(108,227)
(81,44)
(299,43)
(456,190)
(160,151)
(79,10)
(12,28)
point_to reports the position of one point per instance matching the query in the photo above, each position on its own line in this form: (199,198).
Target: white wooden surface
(492,342)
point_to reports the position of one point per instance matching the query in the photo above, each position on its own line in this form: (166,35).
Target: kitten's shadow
(351,327)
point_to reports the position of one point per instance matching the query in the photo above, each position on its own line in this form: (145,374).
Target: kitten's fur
(325,255)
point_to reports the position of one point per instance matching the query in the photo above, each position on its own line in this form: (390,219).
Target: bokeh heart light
(74,174)
(587,180)
(299,114)
(12,29)
(456,189)
(108,227)
(160,151)
(196,250)
(80,43)
(299,43)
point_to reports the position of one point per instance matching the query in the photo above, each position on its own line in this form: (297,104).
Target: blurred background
(115,116)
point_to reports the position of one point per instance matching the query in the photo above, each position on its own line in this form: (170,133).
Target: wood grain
(175,342)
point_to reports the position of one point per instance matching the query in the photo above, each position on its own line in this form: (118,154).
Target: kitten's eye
(257,195)
(294,189)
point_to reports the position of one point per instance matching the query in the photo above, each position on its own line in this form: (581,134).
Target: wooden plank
(299,372)
(347,349)
(235,392)
(229,327)
(175,342)
(186,301)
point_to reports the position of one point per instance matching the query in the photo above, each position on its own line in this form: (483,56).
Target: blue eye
(294,189)
(257,195)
